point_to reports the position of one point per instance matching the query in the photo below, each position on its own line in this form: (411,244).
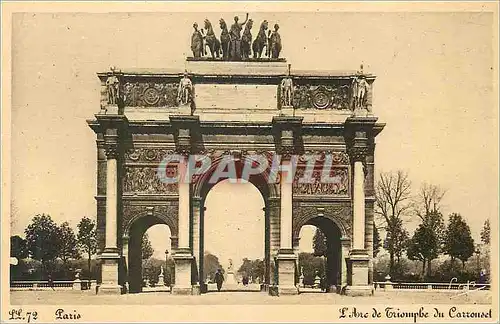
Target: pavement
(88,297)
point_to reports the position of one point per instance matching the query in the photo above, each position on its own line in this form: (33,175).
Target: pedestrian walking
(219,279)
(51,281)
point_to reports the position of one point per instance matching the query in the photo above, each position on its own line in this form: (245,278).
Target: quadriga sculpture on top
(233,45)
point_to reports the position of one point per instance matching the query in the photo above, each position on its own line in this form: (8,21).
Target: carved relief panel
(146,180)
(150,94)
(330,175)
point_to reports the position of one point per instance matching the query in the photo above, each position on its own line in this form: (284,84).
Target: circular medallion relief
(134,155)
(151,96)
(320,100)
(150,155)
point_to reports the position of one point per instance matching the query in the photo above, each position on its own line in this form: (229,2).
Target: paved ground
(243,298)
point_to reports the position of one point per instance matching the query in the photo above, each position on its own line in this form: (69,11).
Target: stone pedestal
(287,111)
(185,109)
(286,272)
(183,260)
(358,267)
(109,272)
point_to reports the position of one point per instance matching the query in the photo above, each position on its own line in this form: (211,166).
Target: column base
(358,269)
(183,260)
(287,111)
(109,273)
(287,290)
(109,290)
(286,261)
(176,290)
(359,291)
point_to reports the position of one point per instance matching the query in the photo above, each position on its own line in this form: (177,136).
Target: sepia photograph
(266,162)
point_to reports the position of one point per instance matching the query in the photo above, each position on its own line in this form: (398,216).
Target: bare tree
(429,200)
(393,202)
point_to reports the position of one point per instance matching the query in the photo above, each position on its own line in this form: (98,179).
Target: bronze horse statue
(246,40)
(211,41)
(224,39)
(261,41)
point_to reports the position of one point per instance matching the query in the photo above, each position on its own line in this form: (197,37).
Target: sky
(434,90)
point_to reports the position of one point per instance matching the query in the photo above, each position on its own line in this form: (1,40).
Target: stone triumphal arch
(236,108)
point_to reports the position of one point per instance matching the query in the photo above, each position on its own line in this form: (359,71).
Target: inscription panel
(236,96)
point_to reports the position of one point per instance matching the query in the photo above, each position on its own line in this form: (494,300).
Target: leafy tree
(319,243)
(485,232)
(311,265)
(18,247)
(458,242)
(397,240)
(426,243)
(252,268)
(210,265)
(376,241)
(393,193)
(147,249)
(87,238)
(428,210)
(42,237)
(68,243)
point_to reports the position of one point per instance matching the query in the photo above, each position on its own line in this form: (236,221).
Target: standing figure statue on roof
(235,39)
(196,42)
(275,42)
(185,90)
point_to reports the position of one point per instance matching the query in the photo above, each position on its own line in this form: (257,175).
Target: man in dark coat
(219,279)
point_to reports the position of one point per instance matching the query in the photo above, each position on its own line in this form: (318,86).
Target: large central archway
(206,184)
(234,229)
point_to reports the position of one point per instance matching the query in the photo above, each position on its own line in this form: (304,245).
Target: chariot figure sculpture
(246,40)
(235,38)
(185,90)
(261,41)
(224,39)
(210,40)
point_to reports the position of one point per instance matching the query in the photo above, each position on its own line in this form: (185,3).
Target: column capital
(358,152)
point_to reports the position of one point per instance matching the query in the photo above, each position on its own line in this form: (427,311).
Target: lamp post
(167,273)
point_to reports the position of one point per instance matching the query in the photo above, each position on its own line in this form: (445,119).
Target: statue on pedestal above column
(113,87)
(185,91)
